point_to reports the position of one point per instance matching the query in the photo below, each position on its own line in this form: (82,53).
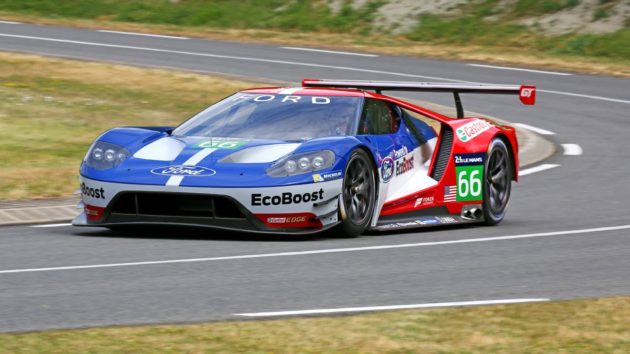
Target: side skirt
(438,216)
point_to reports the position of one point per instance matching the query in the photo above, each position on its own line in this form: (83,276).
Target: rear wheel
(358,195)
(497,182)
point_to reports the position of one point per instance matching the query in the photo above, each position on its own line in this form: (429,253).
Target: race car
(329,155)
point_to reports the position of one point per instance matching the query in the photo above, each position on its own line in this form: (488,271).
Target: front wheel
(358,195)
(497,182)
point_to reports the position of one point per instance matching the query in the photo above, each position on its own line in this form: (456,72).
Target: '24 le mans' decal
(469,172)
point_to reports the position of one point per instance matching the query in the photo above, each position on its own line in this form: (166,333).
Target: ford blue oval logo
(387,169)
(183,171)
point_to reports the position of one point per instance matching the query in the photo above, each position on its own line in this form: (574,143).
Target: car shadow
(195,234)
(436,229)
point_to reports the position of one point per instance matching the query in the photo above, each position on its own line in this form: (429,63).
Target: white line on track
(390,307)
(52,225)
(520,69)
(285,62)
(143,34)
(572,149)
(330,51)
(600,98)
(534,129)
(11,22)
(322,251)
(539,168)
(232,57)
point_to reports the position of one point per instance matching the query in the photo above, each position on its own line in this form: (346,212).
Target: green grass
(580,326)
(51,110)
(467,30)
(474,30)
(614,45)
(294,15)
(537,7)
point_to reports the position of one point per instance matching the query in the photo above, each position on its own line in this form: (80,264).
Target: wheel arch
(511,152)
(377,177)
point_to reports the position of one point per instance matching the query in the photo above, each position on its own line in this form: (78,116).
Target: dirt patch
(401,16)
(590,16)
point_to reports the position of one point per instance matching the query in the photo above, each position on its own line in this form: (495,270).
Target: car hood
(194,150)
(157,158)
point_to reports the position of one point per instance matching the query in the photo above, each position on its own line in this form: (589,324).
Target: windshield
(275,117)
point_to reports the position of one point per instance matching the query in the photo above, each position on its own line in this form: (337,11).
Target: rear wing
(526,93)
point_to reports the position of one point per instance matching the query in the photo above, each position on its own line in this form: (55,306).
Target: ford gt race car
(328,155)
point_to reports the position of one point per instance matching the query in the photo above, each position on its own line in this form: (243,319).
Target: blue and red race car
(328,155)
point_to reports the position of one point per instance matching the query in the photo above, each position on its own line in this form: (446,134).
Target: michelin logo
(326,176)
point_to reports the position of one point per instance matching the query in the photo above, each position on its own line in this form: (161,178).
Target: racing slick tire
(497,182)
(358,196)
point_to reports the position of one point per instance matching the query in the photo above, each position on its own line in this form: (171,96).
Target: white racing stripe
(572,149)
(143,34)
(534,129)
(543,167)
(11,22)
(196,158)
(330,51)
(174,180)
(389,307)
(322,251)
(52,225)
(192,161)
(520,69)
(286,62)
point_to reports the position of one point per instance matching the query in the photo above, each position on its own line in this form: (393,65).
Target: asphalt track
(60,277)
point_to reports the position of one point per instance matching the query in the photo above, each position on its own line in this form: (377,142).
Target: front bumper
(305,208)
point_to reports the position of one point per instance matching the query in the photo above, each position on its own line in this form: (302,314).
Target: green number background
(469,170)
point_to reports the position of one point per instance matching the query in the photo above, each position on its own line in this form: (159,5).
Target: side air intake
(444,152)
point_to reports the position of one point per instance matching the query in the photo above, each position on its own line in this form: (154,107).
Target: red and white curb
(38,214)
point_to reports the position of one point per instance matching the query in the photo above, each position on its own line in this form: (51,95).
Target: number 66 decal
(469,186)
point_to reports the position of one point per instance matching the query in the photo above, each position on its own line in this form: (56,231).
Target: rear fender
(512,144)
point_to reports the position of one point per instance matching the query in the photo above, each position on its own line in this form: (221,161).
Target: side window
(378,117)
(424,122)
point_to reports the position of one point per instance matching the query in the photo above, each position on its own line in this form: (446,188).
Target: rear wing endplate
(526,93)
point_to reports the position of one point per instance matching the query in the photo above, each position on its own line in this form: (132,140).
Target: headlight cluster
(302,163)
(103,156)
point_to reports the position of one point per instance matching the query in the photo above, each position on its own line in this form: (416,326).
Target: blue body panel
(234,175)
(229,175)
